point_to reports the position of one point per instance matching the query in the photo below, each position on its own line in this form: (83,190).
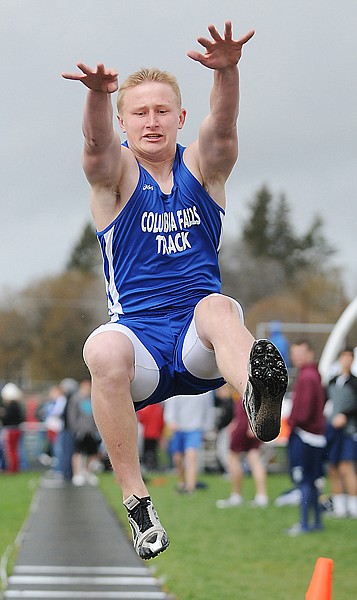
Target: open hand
(99,80)
(220,52)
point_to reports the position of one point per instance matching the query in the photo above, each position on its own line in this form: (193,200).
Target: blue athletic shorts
(340,447)
(306,462)
(170,358)
(182,440)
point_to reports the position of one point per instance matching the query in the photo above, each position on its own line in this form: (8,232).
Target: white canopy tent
(336,339)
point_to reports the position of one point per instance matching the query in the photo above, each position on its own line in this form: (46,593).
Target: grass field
(242,553)
(16,493)
(233,554)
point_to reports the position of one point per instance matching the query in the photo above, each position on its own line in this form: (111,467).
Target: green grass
(234,554)
(241,553)
(16,493)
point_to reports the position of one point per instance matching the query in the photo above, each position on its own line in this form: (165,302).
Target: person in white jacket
(188,418)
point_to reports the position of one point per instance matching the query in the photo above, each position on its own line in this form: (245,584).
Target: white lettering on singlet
(172,244)
(168,223)
(188,217)
(158,222)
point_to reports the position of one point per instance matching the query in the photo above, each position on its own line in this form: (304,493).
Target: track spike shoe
(266,387)
(149,537)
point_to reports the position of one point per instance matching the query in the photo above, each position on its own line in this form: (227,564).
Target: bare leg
(337,491)
(258,472)
(236,472)
(110,359)
(179,464)
(76,463)
(335,480)
(256,370)
(191,467)
(92,458)
(237,475)
(219,326)
(346,470)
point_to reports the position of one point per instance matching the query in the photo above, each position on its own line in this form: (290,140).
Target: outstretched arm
(98,80)
(221,53)
(102,145)
(217,148)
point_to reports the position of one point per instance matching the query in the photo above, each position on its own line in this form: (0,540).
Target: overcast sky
(297,125)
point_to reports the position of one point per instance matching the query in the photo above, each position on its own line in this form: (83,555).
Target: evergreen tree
(314,247)
(256,233)
(85,255)
(271,257)
(269,234)
(282,239)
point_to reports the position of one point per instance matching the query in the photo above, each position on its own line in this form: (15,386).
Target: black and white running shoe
(267,384)
(149,536)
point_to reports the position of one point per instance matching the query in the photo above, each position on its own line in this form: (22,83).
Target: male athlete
(158,210)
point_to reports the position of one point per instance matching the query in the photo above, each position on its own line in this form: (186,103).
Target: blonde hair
(144,75)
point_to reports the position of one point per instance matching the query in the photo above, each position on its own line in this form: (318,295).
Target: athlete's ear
(182,118)
(121,123)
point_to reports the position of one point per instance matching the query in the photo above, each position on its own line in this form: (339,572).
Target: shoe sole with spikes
(266,387)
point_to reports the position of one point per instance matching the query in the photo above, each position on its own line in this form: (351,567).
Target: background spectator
(224,413)
(53,422)
(341,438)
(188,417)
(12,415)
(278,338)
(243,444)
(307,441)
(151,418)
(81,423)
(65,437)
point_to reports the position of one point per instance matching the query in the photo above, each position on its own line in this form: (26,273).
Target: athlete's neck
(161,171)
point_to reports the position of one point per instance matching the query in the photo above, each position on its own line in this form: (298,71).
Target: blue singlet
(161,251)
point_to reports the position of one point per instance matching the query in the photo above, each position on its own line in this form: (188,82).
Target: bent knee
(218,306)
(109,354)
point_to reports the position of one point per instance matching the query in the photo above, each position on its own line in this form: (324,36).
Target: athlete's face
(151,118)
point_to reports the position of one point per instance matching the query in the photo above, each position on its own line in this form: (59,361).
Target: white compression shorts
(198,360)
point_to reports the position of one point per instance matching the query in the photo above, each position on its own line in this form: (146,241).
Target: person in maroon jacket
(307,438)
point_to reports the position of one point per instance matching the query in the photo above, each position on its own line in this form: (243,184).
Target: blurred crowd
(210,432)
(55,430)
